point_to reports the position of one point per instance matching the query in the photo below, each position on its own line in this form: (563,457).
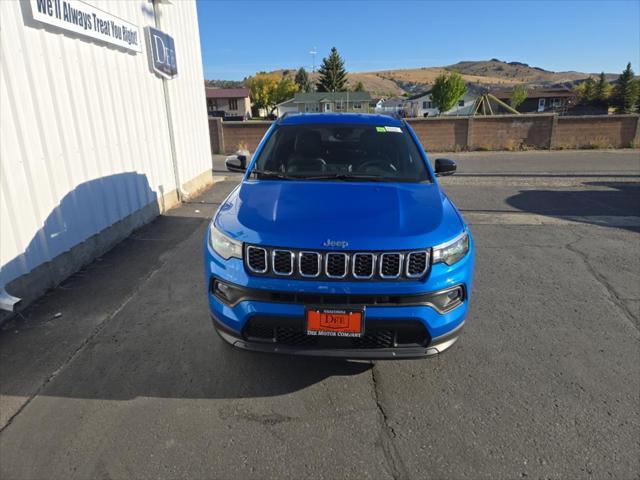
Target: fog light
(448,299)
(227,293)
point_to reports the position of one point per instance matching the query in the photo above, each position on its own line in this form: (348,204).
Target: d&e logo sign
(162,50)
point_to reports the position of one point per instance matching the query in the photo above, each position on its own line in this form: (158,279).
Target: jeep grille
(332,265)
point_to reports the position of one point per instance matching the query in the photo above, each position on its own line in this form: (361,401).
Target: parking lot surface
(130,381)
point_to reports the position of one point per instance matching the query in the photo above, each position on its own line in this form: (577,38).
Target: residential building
(421,105)
(542,100)
(391,105)
(332,102)
(288,106)
(228,102)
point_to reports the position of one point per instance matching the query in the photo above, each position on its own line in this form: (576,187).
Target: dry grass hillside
(485,73)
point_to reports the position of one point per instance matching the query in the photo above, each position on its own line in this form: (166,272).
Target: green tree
(359,87)
(268,89)
(302,80)
(285,89)
(602,90)
(626,91)
(586,91)
(518,96)
(332,75)
(447,90)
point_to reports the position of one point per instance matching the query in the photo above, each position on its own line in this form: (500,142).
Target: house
(539,100)
(332,102)
(288,106)
(391,105)
(421,105)
(228,102)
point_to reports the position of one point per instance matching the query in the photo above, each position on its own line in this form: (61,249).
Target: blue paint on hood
(367,215)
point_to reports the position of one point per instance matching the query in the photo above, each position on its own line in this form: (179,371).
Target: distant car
(339,242)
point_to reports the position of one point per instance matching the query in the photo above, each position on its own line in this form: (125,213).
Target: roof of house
(288,102)
(227,92)
(343,118)
(394,101)
(419,95)
(320,97)
(537,93)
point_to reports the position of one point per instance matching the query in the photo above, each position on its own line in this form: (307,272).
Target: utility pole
(313,56)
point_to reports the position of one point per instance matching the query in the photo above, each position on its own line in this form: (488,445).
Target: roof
(537,93)
(347,118)
(227,92)
(394,101)
(286,102)
(319,97)
(419,95)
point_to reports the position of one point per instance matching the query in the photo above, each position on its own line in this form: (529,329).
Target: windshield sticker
(394,129)
(380,129)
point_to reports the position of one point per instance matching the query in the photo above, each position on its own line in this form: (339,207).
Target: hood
(339,215)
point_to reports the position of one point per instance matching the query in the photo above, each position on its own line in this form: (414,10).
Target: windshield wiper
(271,174)
(348,177)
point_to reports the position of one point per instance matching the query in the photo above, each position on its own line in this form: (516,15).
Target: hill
(480,74)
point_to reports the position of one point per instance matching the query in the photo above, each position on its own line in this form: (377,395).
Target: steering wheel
(382,166)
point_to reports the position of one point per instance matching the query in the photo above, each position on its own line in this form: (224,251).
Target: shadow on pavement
(622,199)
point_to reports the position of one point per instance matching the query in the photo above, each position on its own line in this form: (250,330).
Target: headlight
(224,246)
(452,251)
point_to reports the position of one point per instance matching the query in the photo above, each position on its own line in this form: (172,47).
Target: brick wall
(597,131)
(504,132)
(510,133)
(442,134)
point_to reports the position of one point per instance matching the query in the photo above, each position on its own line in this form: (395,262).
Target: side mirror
(444,167)
(236,163)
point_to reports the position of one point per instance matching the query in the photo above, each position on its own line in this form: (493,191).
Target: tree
(447,91)
(626,91)
(285,89)
(268,89)
(332,75)
(302,80)
(586,91)
(602,90)
(359,87)
(518,96)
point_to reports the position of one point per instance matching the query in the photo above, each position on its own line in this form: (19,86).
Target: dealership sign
(84,19)
(162,50)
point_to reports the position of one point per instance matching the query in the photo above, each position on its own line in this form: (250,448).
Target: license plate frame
(335,321)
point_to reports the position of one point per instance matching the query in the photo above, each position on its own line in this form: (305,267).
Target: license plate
(335,322)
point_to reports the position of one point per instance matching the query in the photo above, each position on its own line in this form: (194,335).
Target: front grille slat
(282,261)
(257,259)
(390,265)
(333,265)
(309,264)
(336,264)
(416,264)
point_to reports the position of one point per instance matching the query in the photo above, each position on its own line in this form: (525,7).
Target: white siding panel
(84,139)
(187,93)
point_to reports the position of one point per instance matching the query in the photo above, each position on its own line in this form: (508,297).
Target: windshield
(341,152)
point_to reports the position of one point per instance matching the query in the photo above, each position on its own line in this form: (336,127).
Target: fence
(503,132)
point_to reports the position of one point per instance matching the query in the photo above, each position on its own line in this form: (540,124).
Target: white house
(288,106)
(391,105)
(422,105)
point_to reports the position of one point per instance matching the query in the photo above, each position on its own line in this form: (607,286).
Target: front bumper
(436,346)
(441,329)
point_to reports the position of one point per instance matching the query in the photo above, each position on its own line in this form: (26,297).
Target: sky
(239,38)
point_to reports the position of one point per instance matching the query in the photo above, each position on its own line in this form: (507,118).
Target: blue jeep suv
(339,242)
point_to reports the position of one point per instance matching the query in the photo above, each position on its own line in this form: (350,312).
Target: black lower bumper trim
(436,346)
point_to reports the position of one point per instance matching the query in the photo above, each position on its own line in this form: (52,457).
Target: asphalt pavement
(130,381)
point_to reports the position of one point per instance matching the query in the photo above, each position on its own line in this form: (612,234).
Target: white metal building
(93,141)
